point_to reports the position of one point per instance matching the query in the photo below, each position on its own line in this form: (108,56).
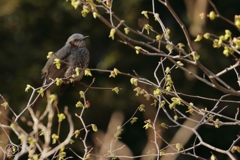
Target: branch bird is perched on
(71,56)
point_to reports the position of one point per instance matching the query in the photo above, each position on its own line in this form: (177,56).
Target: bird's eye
(75,40)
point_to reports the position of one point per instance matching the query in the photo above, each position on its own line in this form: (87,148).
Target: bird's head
(76,40)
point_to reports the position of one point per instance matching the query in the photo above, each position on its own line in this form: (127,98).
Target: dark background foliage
(30,29)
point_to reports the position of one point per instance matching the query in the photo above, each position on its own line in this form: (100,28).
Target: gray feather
(73,54)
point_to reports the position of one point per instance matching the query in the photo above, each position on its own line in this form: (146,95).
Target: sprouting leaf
(116,89)
(95,15)
(22,137)
(59,81)
(157,92)
(169,81)
(75,3)
(71,142)
(180,46)
(87,104)
(77,70)
(212,15)
(30,140)
(236,41)
(158,37)
(147,96)
(167,32)
(198,38)
(235,148)
(112,74)
(195,55)
(79,104)
(27,88)
(141,108)
(41,133)
(162,103)
(176,100)
(202,15)
(52,97)
(190,108)
(147,27)
(126,30)
(227,34)
(179,146)
(179,63)
(168,88)
(61,117)
(108,2)
(118,133)
(94,127)
(156,16)
(112,33)
(134,81)
(137,49)
(49,55)
(206,35)
(145,13)
(57,63)
(228,51)
(85,11)
(138,91)
(133,120)
(216,43)
(213,157)
(147,125)
(87,72)
(164,125)
(169,47)
(77,132)
(216,123)
(5,105)
(175,117)
(41,91)
(237,21)
(167,70)
(81,94)
(154,103)
(35,157)
(172,105)
(54,138)
(162,152)
(116,71)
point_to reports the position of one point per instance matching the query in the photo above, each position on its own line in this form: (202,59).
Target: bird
(74,54)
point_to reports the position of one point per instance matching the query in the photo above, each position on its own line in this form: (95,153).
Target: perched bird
(72,55)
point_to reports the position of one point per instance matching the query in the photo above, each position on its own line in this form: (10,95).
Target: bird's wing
(50,70)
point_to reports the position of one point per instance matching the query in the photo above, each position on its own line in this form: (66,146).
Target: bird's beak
(85,37)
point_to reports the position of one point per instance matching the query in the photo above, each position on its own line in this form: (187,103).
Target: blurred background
(30,29)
